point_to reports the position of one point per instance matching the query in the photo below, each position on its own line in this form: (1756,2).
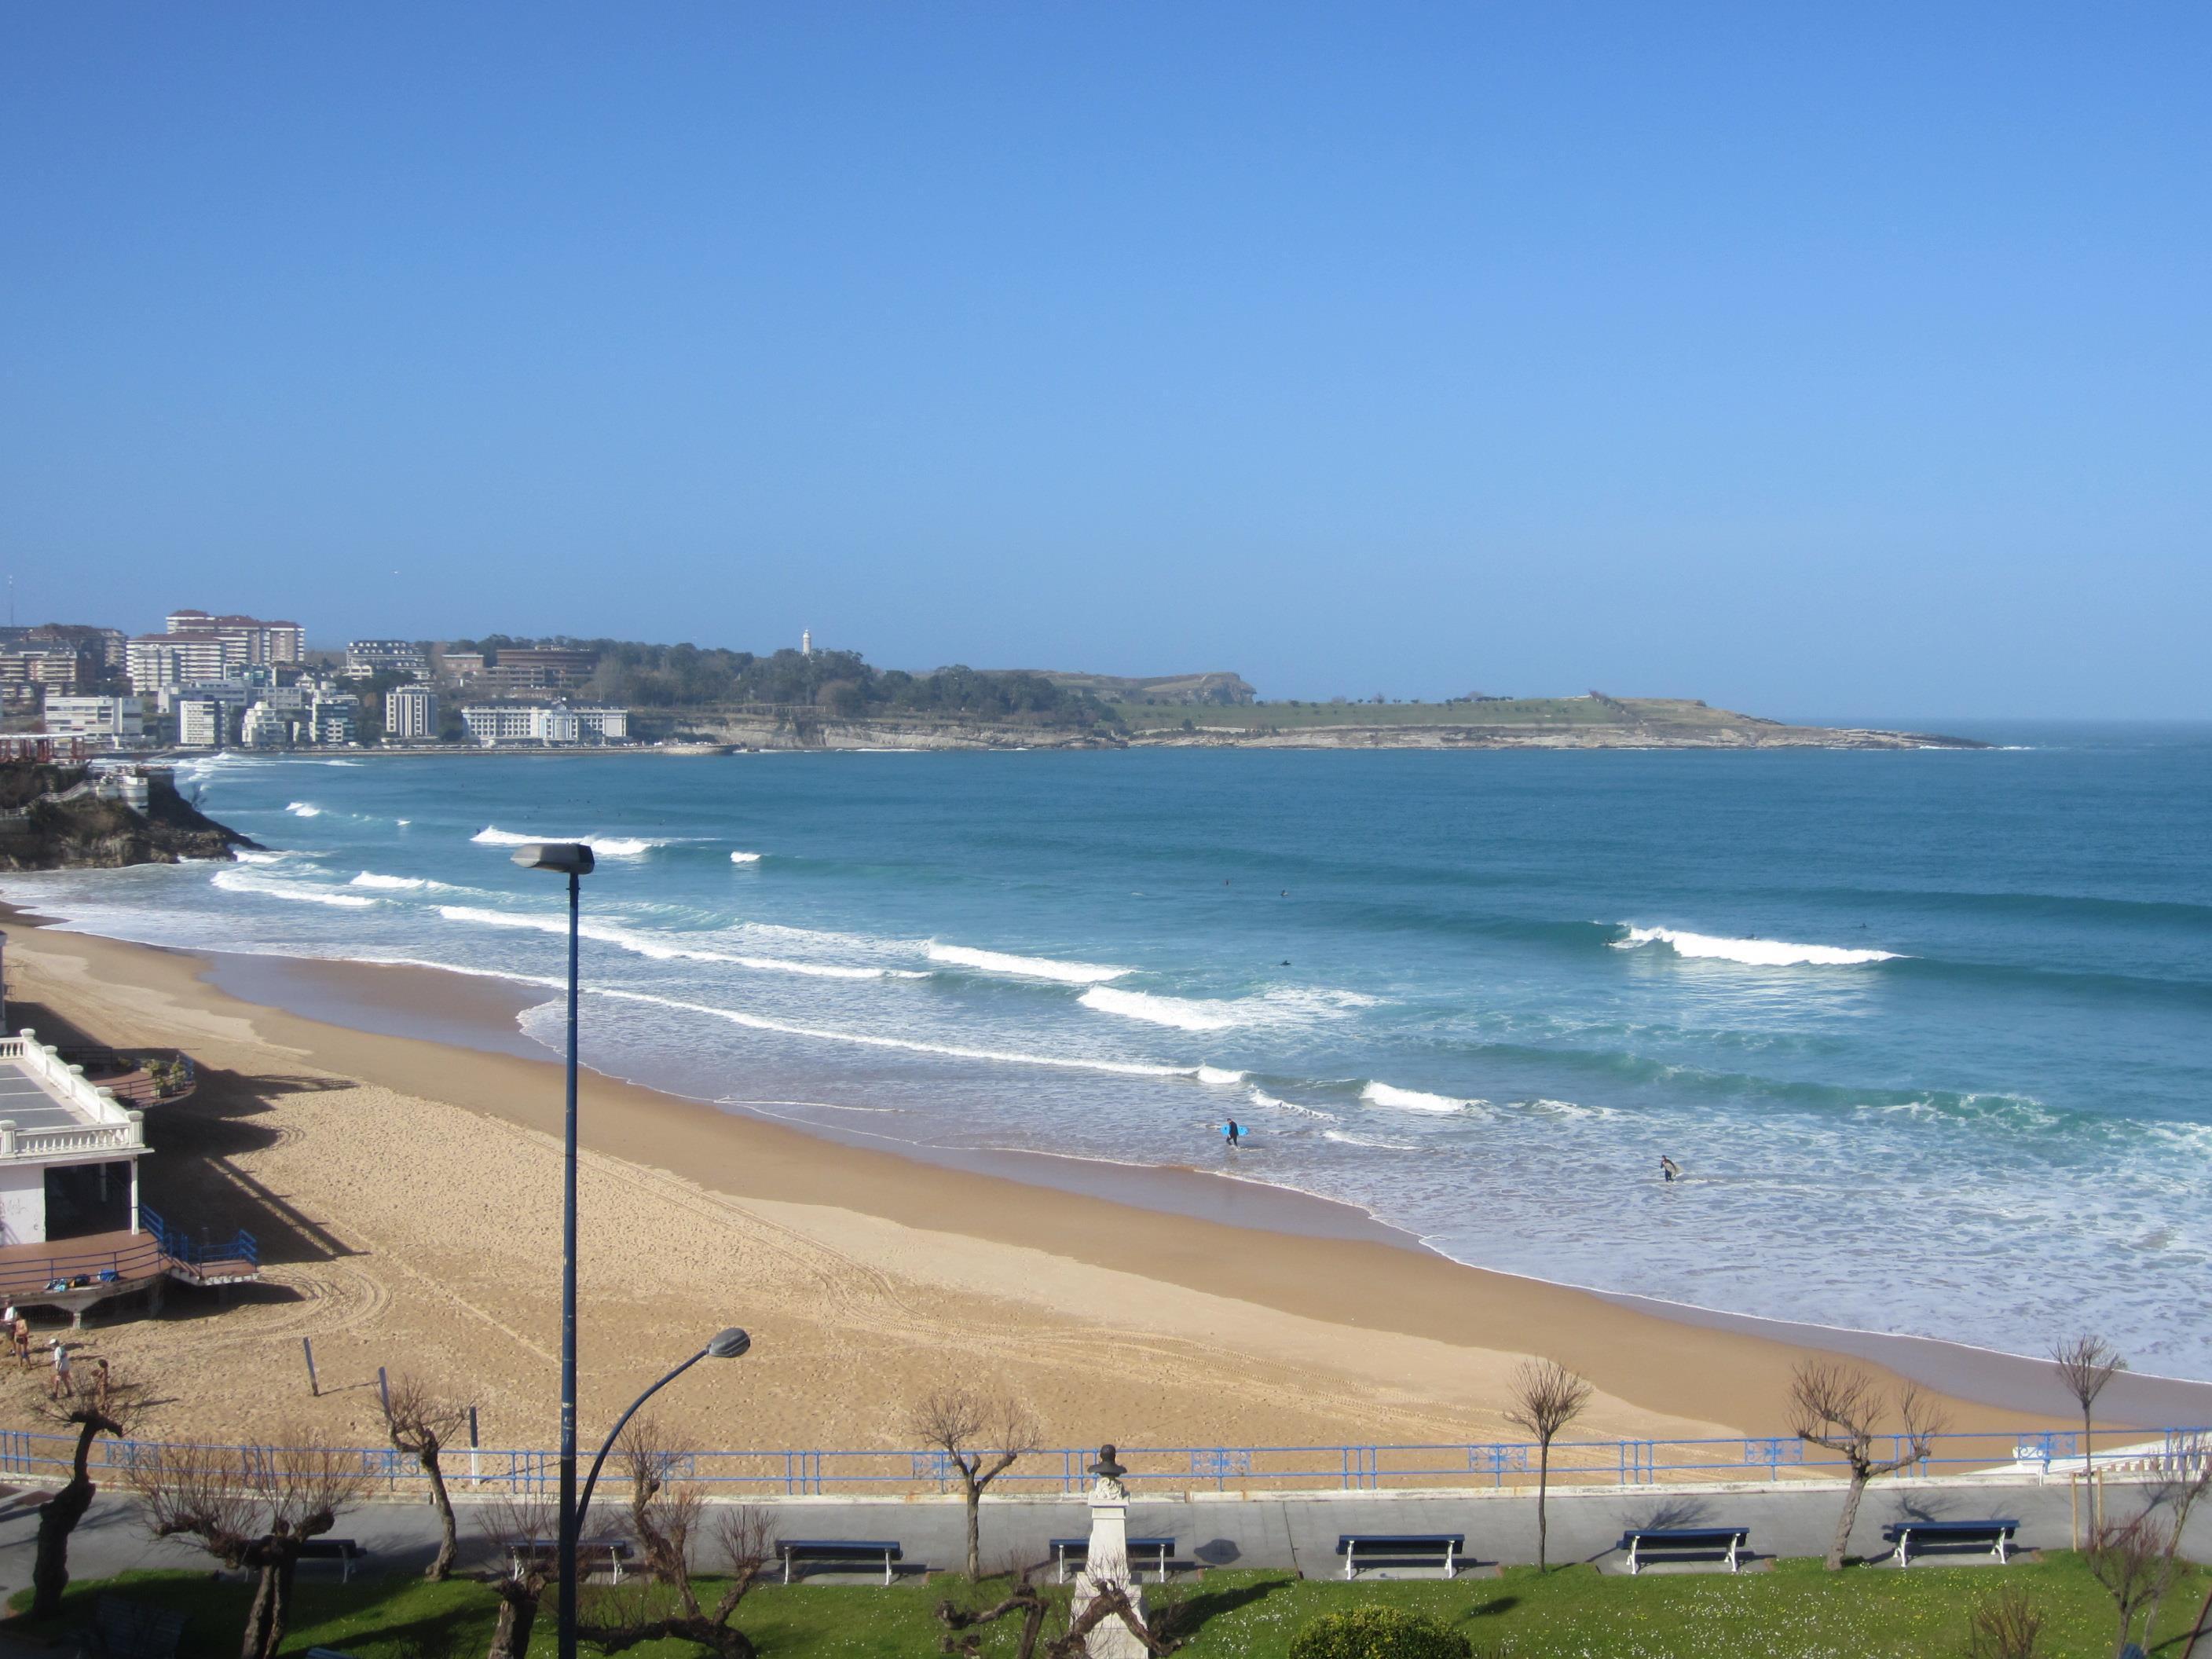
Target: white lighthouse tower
(806,642)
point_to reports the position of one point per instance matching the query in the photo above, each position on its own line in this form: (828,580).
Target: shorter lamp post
(727,1345)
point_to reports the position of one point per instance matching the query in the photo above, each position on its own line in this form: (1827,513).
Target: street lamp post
(726,1345)
(574,860)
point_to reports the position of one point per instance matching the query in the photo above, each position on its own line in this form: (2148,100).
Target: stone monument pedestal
(1106,1566)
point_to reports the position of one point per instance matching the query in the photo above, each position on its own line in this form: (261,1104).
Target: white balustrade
(108,1126)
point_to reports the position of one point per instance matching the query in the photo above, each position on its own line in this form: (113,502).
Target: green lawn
(1795,1612)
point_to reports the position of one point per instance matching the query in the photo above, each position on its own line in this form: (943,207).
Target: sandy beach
(406,1191)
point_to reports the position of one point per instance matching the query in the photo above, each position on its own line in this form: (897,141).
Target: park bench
(608,1553)
(343,1551)
(838,1552)
(125,1629)
(1077,1550)
(1994,1536)
(1441,1546)
(1726,1542)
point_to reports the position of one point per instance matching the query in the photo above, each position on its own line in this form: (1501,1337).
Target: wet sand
(391,1134)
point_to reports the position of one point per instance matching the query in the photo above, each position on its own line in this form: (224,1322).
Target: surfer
(1668,1168)
(1231,1133)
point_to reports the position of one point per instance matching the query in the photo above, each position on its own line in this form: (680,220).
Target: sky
(1811,360)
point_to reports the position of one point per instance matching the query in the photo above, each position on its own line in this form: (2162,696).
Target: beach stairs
(79,1274)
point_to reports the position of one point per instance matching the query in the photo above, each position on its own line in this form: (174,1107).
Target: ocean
(1927,1032)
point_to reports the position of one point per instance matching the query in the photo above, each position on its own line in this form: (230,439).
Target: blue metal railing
(179,1246)
(1168,1470)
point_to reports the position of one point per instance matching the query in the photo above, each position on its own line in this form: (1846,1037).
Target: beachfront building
(153,661)
(72,1230)
(410,714)
(264,644)
(546,725)
(202,723)
(368,657)
(112,720)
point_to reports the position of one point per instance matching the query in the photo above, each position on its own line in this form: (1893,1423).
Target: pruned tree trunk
(975,1496)
(1543,1481)
(1843,1538)
(441,1565)
(259,1617)
(57,1519)
(518,1617)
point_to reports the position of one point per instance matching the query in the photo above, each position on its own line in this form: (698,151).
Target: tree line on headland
(840,683)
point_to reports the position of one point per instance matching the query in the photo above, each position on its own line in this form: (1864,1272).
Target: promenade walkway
(1294,1531)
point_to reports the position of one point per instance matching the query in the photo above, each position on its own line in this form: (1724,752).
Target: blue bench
(1065,1550)
(1443,1547)
(1725,1542)
(838,1552)
(1994,1536)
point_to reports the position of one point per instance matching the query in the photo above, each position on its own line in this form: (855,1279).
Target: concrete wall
(22,1204)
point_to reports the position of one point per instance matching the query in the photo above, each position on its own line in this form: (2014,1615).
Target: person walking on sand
(61,1386)
(20,1330)
(1668,1168)
(101,1380)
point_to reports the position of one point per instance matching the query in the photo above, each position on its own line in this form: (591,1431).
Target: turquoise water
(1926,1031)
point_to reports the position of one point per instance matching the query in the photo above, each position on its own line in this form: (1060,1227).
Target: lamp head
(728,1344)
(567,858)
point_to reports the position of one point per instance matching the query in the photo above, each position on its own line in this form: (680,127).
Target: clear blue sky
(1841,360)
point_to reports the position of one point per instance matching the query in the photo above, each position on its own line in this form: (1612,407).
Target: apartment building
(410,714)
(265,643)
(109,719)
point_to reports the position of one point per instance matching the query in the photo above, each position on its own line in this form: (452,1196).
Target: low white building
(113,719)
(69,1153)
(410,714)
(550,724)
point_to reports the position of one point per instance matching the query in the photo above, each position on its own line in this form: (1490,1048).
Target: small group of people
(62,1385)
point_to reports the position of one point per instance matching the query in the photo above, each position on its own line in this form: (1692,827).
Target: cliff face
(51,820)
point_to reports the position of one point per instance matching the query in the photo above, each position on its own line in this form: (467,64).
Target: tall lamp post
(726,1345)
(572,859)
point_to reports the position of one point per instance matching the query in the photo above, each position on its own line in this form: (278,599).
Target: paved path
(1298,1532)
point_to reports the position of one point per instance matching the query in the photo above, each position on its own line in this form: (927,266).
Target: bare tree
(252,1510)
(1841,1407)
(2084,1365)
(109,1406)
(421,1422)
(1547,1397)
(982,1434)
(2005,1626)
(666,1520)
(962,1638)
(2137,1562)
(516,1528)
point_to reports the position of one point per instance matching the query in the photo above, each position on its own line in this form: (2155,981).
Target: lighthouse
(806,642)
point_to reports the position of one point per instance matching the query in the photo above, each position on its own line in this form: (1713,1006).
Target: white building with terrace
(72,1230)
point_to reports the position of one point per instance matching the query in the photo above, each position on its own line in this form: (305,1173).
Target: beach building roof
(49,1114)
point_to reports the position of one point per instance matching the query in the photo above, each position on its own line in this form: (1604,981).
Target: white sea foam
(1344,1139)
(1216,1075)
(744,858)
(1412,1100)
(871,1040)
(1260,1098)
(662,948)
(997,962)
(606,846)
(1185,1015)
(394,884)
(243,881)
(1751,953)
(299,809)
(250,856)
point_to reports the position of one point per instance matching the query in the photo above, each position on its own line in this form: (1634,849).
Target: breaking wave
(662,949)
(1751,953)
(299,809)
(996,962)
(606,846)
(1219,1077)
(243,881)
(744,858)
(394,884)
(1413,1100)
(1184,1014)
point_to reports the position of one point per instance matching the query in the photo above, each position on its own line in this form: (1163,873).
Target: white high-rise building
(410,714)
